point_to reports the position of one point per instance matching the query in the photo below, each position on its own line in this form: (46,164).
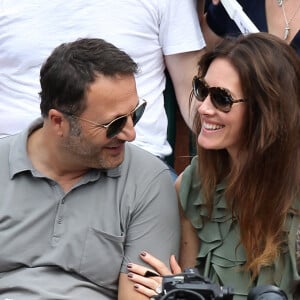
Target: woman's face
(222,130)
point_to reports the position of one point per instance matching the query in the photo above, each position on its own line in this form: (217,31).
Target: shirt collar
(20,162)
(18,158)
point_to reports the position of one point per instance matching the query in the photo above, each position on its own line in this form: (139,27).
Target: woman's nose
(206,106)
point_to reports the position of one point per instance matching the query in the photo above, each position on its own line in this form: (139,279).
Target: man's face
(107,98)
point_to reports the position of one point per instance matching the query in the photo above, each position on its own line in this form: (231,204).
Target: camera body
(190,285)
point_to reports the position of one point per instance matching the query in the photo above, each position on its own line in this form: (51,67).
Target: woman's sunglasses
(220,97)
(115,126)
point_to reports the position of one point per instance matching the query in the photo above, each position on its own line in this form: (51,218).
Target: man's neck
(51,161)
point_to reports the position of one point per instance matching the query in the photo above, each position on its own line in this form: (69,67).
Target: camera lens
(266,292)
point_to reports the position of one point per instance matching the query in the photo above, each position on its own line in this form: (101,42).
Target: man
(78,202)
(155,33)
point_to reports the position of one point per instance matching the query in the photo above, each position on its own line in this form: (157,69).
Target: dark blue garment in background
(220,23)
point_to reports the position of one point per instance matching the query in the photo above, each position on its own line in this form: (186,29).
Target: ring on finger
(158,289)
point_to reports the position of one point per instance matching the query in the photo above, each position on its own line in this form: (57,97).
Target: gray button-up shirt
(57,245)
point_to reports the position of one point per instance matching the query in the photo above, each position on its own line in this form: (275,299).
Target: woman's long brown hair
(262,187)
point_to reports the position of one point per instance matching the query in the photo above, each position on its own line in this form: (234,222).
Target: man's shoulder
(7,146)
(140,158)
(5,142)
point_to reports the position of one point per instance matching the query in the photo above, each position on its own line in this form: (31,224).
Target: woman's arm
(189,242)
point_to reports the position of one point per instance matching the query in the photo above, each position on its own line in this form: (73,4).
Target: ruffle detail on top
(221,257)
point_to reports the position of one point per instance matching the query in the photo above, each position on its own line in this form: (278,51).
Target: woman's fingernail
(129,266)
(136,286)
(130,275)
(150,274)
(143,253)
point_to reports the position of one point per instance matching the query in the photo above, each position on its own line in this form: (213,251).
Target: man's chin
(112,162)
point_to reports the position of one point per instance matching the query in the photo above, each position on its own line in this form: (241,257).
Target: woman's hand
(147,281)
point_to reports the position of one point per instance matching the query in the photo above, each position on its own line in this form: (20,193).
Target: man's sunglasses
(220,97)
(116,125)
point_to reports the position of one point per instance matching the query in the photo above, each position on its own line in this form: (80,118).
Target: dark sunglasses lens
(220,99)
(116,126)
(200,89)
(137,114)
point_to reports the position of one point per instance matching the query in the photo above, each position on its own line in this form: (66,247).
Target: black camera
(267,292)
(190,285)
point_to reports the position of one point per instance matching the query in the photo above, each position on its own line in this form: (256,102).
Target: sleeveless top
(220,256)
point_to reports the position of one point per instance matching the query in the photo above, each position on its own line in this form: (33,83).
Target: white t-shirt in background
(145,29)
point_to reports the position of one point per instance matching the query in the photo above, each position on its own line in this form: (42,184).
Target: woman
(240,194)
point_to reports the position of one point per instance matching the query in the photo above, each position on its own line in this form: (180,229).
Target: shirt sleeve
(154,225)
(179,29)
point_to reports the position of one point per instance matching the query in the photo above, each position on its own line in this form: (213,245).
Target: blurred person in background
(277,17)
(155,33)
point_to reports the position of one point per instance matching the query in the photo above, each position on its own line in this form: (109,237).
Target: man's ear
(58,122)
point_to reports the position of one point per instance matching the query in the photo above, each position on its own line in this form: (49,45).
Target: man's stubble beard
(84,151)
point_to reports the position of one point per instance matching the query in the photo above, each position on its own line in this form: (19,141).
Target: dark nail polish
(130,275)
(129,266)
(136,286)
(143,253)
(150,274)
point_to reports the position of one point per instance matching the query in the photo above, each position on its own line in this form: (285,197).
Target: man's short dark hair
(72,67)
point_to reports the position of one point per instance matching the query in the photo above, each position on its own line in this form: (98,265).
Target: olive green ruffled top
(220,256)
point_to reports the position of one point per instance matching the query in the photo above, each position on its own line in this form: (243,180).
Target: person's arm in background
(182,44)
(182,68)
